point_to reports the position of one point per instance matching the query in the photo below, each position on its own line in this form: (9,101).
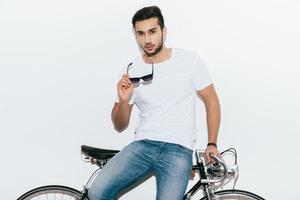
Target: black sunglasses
(145,78)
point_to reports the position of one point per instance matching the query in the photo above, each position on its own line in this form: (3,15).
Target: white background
(60,59)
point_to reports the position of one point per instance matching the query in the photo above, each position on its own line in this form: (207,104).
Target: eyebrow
(152,29)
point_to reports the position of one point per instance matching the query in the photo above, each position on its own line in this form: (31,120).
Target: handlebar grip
(213,157)
(216,158)
(220,161)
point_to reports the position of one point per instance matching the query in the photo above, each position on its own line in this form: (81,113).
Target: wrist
(124,100)
(212,144)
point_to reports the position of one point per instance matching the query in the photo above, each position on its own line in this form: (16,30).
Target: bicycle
(212,176)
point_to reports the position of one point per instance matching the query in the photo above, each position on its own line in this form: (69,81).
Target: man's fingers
(124,85)
(208,158)
(211,157)
(125,82)
(125,79)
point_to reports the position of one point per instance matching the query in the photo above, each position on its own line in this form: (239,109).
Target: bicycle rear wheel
(52,192)
(234,195)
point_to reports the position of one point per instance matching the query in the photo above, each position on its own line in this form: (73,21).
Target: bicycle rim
(234,195)
(51,192)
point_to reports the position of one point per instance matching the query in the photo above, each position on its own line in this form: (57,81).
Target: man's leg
(172,170)
(123,170)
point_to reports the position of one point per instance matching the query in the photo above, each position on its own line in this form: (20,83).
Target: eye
(152,31)
(139,34)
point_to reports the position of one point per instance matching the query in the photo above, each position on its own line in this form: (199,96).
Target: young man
(165,136)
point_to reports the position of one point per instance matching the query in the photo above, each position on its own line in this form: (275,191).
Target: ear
(164,32)
(133,31)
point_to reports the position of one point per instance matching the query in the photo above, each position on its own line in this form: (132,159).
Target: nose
(147,38)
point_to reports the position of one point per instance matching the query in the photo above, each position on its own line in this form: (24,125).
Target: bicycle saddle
(98,153)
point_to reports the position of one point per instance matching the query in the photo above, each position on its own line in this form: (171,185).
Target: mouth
(149,47)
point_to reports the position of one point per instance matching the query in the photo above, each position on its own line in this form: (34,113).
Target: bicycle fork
(210,192)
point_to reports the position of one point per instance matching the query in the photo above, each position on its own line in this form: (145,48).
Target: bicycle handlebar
(220,161)
(200,158)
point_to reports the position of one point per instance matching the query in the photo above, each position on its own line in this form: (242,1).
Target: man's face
(149,36)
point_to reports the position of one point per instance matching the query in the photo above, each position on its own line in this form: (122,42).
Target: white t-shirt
(167,103)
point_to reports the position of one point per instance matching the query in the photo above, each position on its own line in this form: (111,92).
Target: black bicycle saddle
(98,153)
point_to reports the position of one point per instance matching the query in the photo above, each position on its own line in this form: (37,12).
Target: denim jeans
(169,163)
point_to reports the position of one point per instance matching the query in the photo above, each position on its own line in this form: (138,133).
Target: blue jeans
(169,163)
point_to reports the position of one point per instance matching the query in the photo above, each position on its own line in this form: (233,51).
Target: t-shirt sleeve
(123,71)
(200,75)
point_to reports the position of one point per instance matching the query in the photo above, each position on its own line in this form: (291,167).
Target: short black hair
(147,13)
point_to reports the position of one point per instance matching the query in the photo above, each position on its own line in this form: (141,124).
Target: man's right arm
(121,111)
(120,115)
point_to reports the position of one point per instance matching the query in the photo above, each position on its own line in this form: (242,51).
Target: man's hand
(211,149)
(125,88)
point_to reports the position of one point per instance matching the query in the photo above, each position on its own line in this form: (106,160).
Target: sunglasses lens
(145,78)
(148,77)
(134,80)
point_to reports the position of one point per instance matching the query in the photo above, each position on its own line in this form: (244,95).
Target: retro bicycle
(212,177)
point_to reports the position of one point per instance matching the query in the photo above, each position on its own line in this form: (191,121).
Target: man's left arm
(213,118)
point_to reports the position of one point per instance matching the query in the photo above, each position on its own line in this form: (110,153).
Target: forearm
(213,117)
(121,115)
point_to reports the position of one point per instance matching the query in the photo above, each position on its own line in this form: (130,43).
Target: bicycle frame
(211,177)
(207,184)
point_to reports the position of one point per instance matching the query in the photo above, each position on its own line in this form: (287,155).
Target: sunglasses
(145,78)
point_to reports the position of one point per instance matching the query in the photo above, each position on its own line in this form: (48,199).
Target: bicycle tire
(52,192)
(235,194)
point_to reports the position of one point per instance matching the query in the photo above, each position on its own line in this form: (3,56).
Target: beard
(156,50)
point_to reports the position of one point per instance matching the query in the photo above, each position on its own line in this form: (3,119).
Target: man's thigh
(172,172)
(123,170)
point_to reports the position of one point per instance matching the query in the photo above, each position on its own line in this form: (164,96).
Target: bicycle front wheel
(52,192)
(234,195)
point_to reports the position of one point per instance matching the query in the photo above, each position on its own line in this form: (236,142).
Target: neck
(163,55)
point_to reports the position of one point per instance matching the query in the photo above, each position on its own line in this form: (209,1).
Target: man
(165,136)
